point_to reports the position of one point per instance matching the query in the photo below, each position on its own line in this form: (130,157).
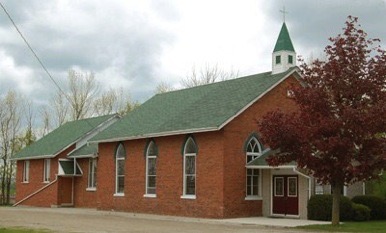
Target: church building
(193,152)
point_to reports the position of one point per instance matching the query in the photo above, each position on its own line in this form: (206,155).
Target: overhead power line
(33,52)
(36,56)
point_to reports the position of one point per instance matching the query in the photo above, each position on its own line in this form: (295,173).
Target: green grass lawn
(368,227)
(20,230)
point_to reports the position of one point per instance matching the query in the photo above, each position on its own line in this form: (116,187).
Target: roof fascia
(163,134)
(295,72)
(34,157)
(270,167)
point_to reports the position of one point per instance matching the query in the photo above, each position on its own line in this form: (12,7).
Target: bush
(320,208)
(376,204)
(360,212)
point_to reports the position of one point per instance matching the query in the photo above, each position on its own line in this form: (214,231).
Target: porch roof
(261,162)
(69,168)
(85,151)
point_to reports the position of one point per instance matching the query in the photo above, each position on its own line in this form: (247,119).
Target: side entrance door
(285,200)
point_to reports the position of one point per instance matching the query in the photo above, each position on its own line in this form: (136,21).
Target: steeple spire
(284,41)
(283,55)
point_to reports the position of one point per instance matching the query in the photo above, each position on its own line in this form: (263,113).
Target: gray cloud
(92,37)
(123,44)
(311,23)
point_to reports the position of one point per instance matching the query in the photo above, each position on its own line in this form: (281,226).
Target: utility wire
(36,56)
(33,52)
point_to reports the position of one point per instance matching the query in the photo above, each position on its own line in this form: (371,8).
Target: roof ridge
(214,83)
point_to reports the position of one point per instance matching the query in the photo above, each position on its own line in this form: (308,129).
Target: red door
(285,200)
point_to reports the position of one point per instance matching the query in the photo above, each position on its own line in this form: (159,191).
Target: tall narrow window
(120,156)
(151,171)
(189,182)
(253,175)
(26,172)
(46,170)
(92,170)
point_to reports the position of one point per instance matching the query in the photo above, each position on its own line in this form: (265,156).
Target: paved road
(90,220)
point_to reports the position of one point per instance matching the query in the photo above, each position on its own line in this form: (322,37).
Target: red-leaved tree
(338,132)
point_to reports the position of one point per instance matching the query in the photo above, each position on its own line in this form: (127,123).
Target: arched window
(189,179)
(151,171)
(253,151)
(120,156)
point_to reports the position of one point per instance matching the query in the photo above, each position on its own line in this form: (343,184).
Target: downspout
(309,181)
(72,191)
(36,192)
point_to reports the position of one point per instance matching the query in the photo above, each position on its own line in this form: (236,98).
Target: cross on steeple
(284,12)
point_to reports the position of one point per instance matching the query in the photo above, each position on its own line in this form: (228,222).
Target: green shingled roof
(60,138)
(262,162)
(197,109)
(84,151)
(284,41)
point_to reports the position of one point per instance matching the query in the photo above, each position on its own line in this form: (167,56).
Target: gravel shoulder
(91,220)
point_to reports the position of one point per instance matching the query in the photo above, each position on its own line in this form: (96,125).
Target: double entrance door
(285,198)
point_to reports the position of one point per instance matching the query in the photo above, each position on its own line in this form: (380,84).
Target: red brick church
(191,152)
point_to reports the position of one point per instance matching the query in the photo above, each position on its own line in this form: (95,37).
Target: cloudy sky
(136,44)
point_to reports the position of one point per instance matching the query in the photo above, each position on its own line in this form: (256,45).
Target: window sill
(150,195)
(46,182)
(90,189)
(192,197)
(25,182)
(253,198)
(119,195)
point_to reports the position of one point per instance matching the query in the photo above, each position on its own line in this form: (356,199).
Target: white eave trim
(163,134)
(82,156)
(270,167)
(34,157)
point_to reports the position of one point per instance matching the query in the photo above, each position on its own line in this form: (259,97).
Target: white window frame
(148,157)
(117,176)
(251,155)
(46,170)
(288,186)
(26,171)
(91,181)
(186,155)
(274,187)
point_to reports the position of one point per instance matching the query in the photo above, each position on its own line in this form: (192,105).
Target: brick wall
(84,197)
(209,173)
(236,133)
(49,196)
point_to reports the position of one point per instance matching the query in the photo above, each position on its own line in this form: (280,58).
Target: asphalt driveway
(91,220)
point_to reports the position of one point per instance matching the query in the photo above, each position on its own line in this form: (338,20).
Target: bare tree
(209,74)
(46,121)
(105,104)
(83,89)
(29,136)
(163,87)
(9,143)
(60,105)
(113,101)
